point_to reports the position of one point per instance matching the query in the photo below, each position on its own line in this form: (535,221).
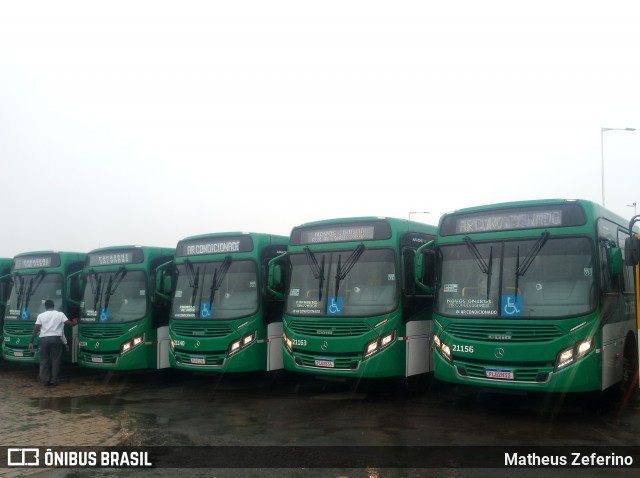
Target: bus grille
(201,330)
(19,329)
(101,331)
(209,359)
(343,362)
(328,328)
(104,358)
(520,374)
(505,333)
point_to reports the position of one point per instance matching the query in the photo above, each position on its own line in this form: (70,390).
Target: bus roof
(410,225)
(590,208)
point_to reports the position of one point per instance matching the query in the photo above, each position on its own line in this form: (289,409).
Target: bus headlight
(131,344)
(574,353)
(443,348)
(239,344)
(378,344)
(288,343)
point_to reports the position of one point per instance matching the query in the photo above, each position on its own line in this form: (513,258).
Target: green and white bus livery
(351,306)
(124,318)
(222,318)
(36,277)
(534,296)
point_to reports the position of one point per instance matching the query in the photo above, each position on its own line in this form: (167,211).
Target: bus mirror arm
(70,277)
(419,268)
(163,281)
(274,278)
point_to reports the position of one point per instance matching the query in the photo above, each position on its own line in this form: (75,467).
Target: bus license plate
(324,363)
(18,353)
(96,359)
(197,360)
(502,374)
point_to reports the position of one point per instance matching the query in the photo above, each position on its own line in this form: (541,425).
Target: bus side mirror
(424,267)
(275,279)
(632,250)
(614,261)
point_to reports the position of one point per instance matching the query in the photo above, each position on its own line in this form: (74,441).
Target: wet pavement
(171,408)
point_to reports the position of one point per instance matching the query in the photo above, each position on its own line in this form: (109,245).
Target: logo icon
(23,456)
(499,353)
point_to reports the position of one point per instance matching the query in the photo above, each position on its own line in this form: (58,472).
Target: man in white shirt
(50,324)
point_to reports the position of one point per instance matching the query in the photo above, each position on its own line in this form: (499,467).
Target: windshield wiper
(317,270)
(19,290)
(194,279)
(218,277)
(114,282)
(484,267)
(34,283)
(342,271)
(521,269)
(95,281)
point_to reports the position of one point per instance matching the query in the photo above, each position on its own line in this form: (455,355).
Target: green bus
(632,258)
(5,287)
(352,309)
(124,315)
(222,318)
(36,277)
(533,296)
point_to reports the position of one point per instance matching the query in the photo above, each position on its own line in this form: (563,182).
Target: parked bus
(36,277)
(352,309)
(222,318)
(124,316)
(534,296)
(632,258)
(5,288)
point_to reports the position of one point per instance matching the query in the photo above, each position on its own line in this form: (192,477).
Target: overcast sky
(143,122)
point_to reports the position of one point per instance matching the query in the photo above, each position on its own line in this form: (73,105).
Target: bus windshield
(118,296)
(226,289)
(540,278)
(29,293)
(352,283)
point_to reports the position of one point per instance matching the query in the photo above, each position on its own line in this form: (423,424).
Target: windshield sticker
(25,313)
(178,294)
(511,305)
(334,306)
(142,292)
(391,277)
(58,292)
(205,310)
(588,271)
(307,307)
(472,306)
(294,292)
(252,284)
(104,314)
(450,288)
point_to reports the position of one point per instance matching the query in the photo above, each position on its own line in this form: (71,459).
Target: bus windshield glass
(118,296)
(351,283)
(29,293)
(226,289)
(539,278)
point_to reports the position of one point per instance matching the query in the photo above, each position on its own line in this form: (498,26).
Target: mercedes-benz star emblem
(325,345)
(499,353)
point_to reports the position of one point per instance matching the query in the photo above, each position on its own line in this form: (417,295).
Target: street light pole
(633,205)
(602,131)
(417,212)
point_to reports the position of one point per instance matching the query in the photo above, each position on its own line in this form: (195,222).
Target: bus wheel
(629,383)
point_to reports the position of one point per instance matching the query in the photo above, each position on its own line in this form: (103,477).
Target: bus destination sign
(115,257)
(209,245)
(36,261)
(509,221)
(337,234)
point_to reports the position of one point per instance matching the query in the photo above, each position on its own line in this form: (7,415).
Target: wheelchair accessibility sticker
(104,314)
(24,315)
(205,310)
(334,306)
(511,305)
